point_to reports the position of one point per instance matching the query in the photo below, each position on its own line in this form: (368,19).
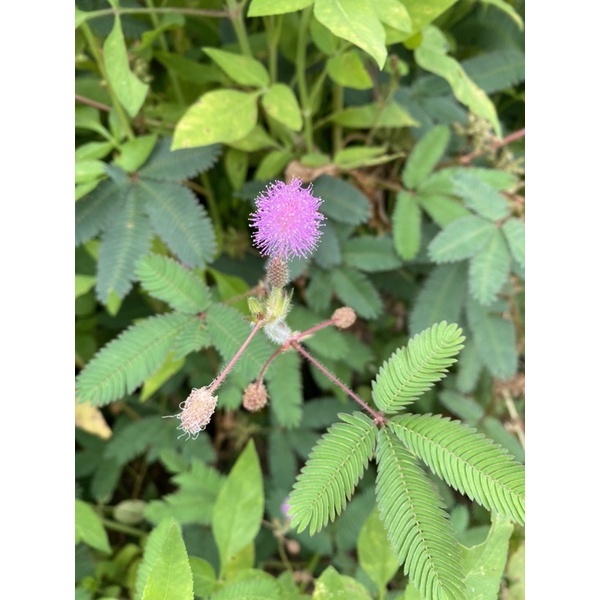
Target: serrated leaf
(261,8)
(461,239)
(347,70)
(239,508)
(425,155)
(125,362)
(284,385)
(341,201)
(489,269)
(165,279)
(89,528)
(442,209)
(514,231)
(355,21)
(406,225)
(412,370)
(242,69)
(180,221)
(209,120)
(480,197)
(497,70)
(195,337)
(441,297)
(130,91)
(370,254)
(375,116)
(123,245)
(356,291)
(431,56)
(279,101)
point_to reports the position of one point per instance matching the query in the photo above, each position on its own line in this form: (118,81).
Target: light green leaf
(210,121)
(93,150)
(272,164)
(331,586)
(83,284)
(515,573)
(467,409)
(355,21)
(171,366)
(347,70)
(425,155)
(88,170)
(81,17)
(257,139)
(360,156)
(461,239)
(236,166)
(341,201)
(508,9)
(205,579)
(261,8)
(165,22)
(394,14)
(374,115)
(370,254)
(442,209)
(375,554)
(406,225)
(89,528)
(87,117)
(135,152)
(423,13)
(489,269)
(355,290)
(242,69)
(130,91)
(431,56)
(284,384)
(514,231)
(239,508)
(191,70)
(279,101)
(480,196)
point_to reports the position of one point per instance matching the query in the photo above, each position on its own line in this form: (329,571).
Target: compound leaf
(371,254)
(480,196)
(355,290)
(461,239)
(514,231)
(284,384)
(425,155)
(406,225)
(341,201)
(489,269)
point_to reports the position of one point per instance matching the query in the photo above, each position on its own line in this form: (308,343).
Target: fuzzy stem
(376,416)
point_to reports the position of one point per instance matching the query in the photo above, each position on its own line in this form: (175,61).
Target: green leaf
(130,91)
(239,508)
(341,201)
(253,587)
(279,101)
(431,56)
(180,221)
(356,291)
(347,70)
(465,408)
(319,290)
(360,156)
(371,254)
(375,116)
(210,121)
(417,525)
(467,461)
(442,209)
(272,164)
(355,21)
(394,14)
(81,17)
(461,239)
(123,245)
(406,225)
(413,370)
(331,586)
(165,279)
(242,69)
(284,384)
(170,367)
(335,466)
(496,70)
(425,155)
(83,284)
(89,528)
(236,166)
(374,554)
(191,70)
(489,269)
(440,298)
(423,13)
(515,574)
(127,361)
(261,8)
(480,196)
(205,579)
(514,231)
(134,153)
(495,338)
(88,170)
(508,9)
(328,253)
(193,338)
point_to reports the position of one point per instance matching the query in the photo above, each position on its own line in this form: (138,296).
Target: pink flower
(287,220)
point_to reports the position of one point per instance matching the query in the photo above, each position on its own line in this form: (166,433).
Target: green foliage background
(408,119)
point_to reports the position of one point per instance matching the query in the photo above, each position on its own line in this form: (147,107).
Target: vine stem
(379,419)
(193,12)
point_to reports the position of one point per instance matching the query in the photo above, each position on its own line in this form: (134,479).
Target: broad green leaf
(514,231)
(374,552)
(191,70)
(210,120)
(205,579)
(484,564)
(236,166)
(257,139)
(394,14)
(85,188)
(423,13)
(347,70)
(81,17)
(242,69)
(135,152)
(496,70)
(480,196)
(461,239)
(93,150)
(331,586)
(425,155)
(279,101)
(89,528)
(239,508)
(431,55)
(440,298)
(272,164)
(515,574)
(489,269)
(370,254)
(374,115)
(442,209)
(354,289)
(260,8)
(322,38)
(130,91)
(88,170)
(341,201)
(248,584)
(355,21)
(165,372)
(87,117)
(83,284)
(406,225)
(508,9)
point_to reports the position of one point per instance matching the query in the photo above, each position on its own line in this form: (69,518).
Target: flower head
(287,220)
(255,397)
(196,411)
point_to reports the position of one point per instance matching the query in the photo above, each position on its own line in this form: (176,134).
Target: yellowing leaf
(90,419)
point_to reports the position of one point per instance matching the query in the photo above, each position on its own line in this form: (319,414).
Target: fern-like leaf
(466,460)
(127,361)
(416,522)
(167,280)
(329,478)
(412,370)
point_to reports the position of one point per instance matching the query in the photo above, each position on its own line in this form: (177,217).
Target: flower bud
(277,272)
(255,397)
(343,317)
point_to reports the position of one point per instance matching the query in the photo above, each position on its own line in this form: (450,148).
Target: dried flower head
(343,317)
(287,220)
(277,272)
(196,411)
(255,397)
